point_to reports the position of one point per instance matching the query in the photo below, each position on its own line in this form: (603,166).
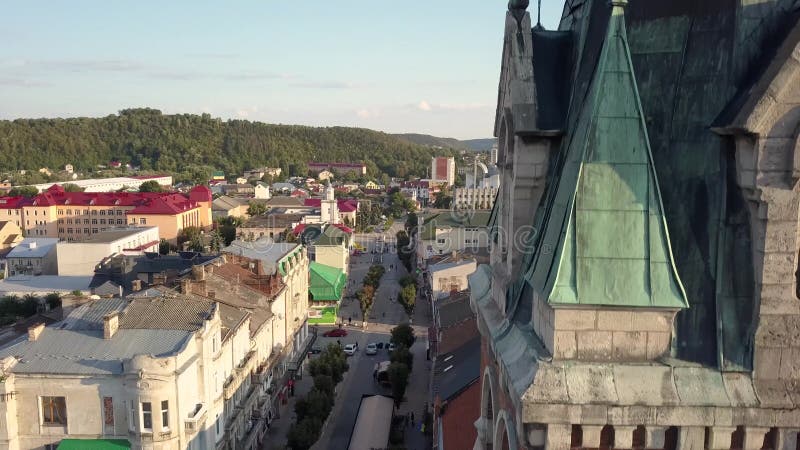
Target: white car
(372,349)
(350,349)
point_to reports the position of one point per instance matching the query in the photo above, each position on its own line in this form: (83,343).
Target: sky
(422,66)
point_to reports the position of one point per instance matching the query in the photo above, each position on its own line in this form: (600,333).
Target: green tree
(403,355)
(163,247)
(71,187)
(403,334)
(151,186)
(408,296)
(256,208)
(398,377)
(24,191)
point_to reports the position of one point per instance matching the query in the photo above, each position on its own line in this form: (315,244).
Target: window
(142,221)
(69,212)
(60,230)
(94,212)
(86,231)
(165,414)
(119,212)
(120,222)
(69,230)
(54,411)
(85,212)
(60,212)
(94,230)
(147,416)
(102,212)
(102,221)
(440,241)
(94,221)
(108,411)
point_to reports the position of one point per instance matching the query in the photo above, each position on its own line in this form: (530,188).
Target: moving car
(350,349)
(338,332)
(372,349)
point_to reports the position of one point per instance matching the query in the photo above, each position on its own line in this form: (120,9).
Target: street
(386,313)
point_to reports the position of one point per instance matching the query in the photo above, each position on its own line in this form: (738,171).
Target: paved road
(386,313)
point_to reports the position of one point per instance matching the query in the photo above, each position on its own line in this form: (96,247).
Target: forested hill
(191,146)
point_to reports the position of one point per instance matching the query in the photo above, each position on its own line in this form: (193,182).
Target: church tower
(329,210)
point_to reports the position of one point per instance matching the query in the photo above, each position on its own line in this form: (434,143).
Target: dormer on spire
(605,240)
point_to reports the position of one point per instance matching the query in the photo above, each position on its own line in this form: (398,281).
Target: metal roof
(85,352)
(33,248)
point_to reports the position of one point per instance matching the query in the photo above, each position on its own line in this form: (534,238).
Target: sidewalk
(275,438)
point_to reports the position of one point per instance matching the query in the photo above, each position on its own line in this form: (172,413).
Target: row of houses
(196,354)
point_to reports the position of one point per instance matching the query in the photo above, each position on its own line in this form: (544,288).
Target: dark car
(338,332)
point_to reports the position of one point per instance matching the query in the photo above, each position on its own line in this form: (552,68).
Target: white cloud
(424,106)
(366,113)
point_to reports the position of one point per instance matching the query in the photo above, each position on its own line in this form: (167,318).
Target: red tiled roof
(299,229)
(167,204)
(152,202)
(344,228)
(14,202)
(312,202)
(343,165)
(462,410)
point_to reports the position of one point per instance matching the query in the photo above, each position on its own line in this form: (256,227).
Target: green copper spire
(605,240)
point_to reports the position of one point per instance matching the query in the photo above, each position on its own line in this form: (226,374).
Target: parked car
(390,346)
(350,349)
(372,349)
(337,332)
(315,351)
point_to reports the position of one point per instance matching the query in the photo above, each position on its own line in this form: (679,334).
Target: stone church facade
(642,291)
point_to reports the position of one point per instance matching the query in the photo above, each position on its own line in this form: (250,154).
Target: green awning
(94,444)
(326,283)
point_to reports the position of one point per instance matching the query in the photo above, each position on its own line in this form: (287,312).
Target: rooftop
(113,235)
(458,369)
(269,252)
(33,248)
(452,219)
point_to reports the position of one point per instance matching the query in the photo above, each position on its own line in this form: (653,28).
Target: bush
(53,300)
(403,334)
(324,383)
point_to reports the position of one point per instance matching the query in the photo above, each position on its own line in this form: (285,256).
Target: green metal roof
(605,240)
(94,444)
(333,235)
(326,283)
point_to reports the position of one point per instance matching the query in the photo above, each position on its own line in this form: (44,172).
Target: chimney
(136,285)
(160,278)
(34,331)
(110,324)
(32,245)
(198,273)
(185,285)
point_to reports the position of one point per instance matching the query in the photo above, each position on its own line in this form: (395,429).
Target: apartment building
(200,367)
(74,216)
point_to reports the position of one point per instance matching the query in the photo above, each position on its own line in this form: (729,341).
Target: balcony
(194,422)
(239,374)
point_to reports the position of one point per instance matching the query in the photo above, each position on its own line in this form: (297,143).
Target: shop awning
(94,444)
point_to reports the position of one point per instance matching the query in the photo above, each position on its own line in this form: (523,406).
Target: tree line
(192,146)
